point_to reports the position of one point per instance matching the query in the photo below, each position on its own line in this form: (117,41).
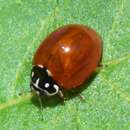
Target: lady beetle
(65,59)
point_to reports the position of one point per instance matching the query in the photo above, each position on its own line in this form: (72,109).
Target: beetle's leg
(82,98)
(61,95)
(41,107)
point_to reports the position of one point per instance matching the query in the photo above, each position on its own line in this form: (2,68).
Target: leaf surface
(24,24)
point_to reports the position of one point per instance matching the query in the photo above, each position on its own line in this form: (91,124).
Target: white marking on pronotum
(49,72)
(37,82)
(32,74)
(56,87)
(41,66)
(36,85)
(45,91)
(47,85)
(51,94)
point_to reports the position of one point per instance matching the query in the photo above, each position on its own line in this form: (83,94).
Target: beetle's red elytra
(65,59)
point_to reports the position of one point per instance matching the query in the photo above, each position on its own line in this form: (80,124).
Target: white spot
(47,85)
(32,74)
(41,66)
(49,72)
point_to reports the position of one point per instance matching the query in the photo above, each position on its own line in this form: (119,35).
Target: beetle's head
(42,82)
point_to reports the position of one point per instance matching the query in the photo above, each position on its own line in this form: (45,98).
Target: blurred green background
(24,24)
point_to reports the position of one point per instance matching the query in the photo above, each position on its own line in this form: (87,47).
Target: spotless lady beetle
(65,59)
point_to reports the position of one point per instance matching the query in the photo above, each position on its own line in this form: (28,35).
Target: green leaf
(24,24)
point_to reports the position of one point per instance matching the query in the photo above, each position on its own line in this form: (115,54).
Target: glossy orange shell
(71,53)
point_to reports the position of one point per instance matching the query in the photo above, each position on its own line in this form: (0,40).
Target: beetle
(65,59)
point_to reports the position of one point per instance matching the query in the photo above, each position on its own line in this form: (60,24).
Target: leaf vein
(117,61)
(15,101)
